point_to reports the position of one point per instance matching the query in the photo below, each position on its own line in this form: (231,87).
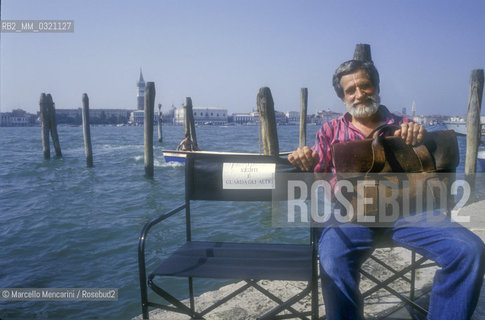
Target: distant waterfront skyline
(220,53)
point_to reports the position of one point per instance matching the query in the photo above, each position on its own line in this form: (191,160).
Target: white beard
(366,110)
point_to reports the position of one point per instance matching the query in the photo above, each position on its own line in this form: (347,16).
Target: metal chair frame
(411,268)
(210,189)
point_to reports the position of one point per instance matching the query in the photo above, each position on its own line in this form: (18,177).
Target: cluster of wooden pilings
(269,133)
(49,126)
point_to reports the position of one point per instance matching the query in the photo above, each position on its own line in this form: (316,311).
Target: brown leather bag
(382,157)
(380,153)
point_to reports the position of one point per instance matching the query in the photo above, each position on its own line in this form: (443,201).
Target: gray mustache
(369,99)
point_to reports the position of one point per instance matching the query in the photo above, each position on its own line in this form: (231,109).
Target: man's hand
(304,158)
(412,133)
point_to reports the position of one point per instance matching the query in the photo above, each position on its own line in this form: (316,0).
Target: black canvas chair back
(204,176)
(239,178)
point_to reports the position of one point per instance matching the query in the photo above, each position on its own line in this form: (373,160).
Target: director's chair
(206,179)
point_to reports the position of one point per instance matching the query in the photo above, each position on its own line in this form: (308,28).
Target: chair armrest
(155,221)
(143,235)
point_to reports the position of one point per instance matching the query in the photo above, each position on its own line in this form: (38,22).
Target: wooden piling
(264,101)
(88,150)
(473,123)
(148,126)
(53,125)
(186,120)
(190,123)
(303,114)
(362,52)
(45,127)
(159,122)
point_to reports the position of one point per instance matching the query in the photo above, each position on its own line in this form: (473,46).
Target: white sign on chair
(248,175)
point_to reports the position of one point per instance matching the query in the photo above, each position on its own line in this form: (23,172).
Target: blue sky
(220,52)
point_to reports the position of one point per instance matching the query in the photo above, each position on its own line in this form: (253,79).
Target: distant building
(169,116)
(293,117)
(255,115)
(207,116)
(325,116)
(419,119)
(140,94)
(4,119)
(179,116)
(242,118)
(70,113)
(96,116)
(280,117)
(216,116)
(137,117)
(109,113)
(17,118)
(434,119)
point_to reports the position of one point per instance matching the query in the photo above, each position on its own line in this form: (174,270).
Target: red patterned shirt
(339,130)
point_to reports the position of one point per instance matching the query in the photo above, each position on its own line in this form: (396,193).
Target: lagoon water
(68,226)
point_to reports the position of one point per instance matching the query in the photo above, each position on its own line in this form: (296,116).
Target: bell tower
(140,94)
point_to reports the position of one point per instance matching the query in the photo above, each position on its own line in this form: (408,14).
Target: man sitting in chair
(458,252)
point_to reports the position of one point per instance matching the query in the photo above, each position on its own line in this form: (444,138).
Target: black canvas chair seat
(249,262)
(239,260)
